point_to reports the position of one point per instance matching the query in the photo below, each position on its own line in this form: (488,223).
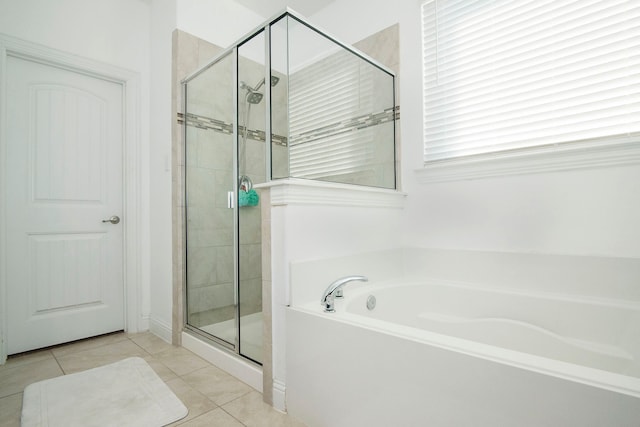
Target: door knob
(113,220)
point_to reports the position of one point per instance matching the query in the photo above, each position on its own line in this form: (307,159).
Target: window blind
(514,74)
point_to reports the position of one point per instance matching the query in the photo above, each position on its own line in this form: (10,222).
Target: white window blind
(515,74)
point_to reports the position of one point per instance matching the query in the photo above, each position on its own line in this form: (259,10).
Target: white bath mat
(125,393)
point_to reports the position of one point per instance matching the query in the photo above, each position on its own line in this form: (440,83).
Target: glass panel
(279,101)
(341,113)
(251,170)
(209,222)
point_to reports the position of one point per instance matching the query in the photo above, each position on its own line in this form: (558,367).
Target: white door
(63,178)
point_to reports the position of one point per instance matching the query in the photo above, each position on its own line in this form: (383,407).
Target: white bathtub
(436,354)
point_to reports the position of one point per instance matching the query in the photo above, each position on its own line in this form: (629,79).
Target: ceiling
(268,8)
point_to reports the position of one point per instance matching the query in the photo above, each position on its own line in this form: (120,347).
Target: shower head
(253,96)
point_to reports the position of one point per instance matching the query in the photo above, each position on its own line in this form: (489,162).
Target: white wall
(112,31)
(581,212)
(221,22)
(162,24)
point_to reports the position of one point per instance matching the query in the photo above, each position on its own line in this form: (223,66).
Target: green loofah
(248,198)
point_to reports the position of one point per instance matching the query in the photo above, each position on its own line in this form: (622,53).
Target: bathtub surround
(425,383)
(520,272)
(516,339)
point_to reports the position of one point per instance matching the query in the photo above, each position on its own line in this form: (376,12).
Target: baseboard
(160,328)
(279,396)
(234,365)
(143,324)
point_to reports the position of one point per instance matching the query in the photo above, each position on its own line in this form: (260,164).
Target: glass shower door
(211,298)
(252,99)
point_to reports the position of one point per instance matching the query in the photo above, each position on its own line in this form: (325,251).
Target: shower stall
(286,101)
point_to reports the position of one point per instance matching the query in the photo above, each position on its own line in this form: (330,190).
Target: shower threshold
(241,368)
(250,334)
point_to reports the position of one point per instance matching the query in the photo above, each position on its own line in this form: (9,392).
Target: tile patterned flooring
(213,397)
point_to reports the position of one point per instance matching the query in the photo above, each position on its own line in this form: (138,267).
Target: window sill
(293,191)
(561,157)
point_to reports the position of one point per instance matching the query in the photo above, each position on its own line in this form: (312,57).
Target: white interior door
(64,177)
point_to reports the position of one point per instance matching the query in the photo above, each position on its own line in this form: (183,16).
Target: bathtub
(453,354)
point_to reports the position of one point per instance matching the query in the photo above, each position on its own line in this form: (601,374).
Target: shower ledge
(294,191)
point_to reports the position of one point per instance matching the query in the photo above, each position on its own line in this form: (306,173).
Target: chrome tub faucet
(335,291)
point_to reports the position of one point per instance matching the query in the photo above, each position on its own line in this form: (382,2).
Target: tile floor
(213,397)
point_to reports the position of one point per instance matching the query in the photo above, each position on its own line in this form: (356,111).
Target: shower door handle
(230,200)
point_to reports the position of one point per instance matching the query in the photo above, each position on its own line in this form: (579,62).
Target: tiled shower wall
(384,47)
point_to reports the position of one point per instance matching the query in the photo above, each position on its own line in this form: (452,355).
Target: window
(528,76)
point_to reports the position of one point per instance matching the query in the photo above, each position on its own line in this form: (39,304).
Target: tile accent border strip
(207,123)
(356,123)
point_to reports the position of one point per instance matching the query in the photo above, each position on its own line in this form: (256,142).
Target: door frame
(132,162)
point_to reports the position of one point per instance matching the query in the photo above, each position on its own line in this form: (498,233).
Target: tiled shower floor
(213,397)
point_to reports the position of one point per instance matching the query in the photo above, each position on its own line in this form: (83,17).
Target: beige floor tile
(180,360)
(151,343)
(14,380)
(212,396)
(100,356)
(10,409)
(196,402)
(216,384)
(253,412)
(26,358)
(161,369)
(217,417)
(88,344)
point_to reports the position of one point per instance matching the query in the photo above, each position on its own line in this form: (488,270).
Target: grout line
(231,415)
(58,362)
(239,397)
(140,347)
(10,395)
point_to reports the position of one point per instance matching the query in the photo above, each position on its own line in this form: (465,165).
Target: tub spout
(328,298)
